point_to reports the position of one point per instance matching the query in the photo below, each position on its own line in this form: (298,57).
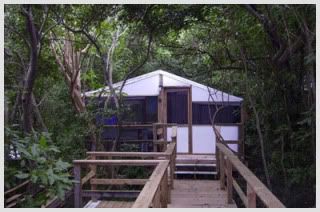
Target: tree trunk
(263,156)
(31,73)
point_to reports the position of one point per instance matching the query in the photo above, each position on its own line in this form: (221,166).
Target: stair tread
(196,164)
(195,172)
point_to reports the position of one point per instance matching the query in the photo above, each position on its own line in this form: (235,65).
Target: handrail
(154,193)
(168,152)
(254,185)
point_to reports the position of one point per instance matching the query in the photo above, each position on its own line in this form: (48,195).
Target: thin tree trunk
(38,114)
(257,119)
(31,73)
(264,161)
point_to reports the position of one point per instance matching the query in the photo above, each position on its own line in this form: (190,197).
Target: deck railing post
(164,190)
(167,188)
(217,157)
(77,186)
(174,154)
(154,131)
(222,171)
(156,200)
(229,181)
(251,196)
(94,169)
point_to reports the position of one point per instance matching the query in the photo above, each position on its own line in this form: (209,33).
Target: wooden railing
(156,190)
(229,163)
(14,195)
(169,154)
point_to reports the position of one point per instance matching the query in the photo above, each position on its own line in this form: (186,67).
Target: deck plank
(115,204)
(198,194)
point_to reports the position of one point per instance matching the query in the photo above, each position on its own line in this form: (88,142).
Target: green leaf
(43,142)
(22,175)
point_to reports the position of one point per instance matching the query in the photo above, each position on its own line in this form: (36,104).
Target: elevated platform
(198,194)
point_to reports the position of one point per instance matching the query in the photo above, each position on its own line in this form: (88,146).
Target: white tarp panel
(145,87)
(168,81)
(204,140)
(230,133)
(182,139)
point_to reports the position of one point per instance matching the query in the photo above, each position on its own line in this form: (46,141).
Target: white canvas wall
(203,138)
(230,133)
(182,139)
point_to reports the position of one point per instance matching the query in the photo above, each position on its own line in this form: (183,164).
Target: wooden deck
(198,194)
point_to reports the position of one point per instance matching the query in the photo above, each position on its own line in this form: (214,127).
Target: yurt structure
(163,97)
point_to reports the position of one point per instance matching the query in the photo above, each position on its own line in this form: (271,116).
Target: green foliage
(40,162)
(205,43)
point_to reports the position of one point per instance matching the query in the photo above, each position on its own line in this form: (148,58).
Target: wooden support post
(218,158)
(93,169)
(222,174)
(154,131)
(174,134)
(172,168)
(229,181)
(251,196)
(156,200)
(164,190)
(241,134)
(167,188)
(77,186)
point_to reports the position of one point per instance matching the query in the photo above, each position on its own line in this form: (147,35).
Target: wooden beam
(129,154)
(118,162)
(149,191)
(17,187)
(90,175)
(222,173)
(77,186)
(229,181)
(131,194)
(96,181)
(241,194)
(129,126)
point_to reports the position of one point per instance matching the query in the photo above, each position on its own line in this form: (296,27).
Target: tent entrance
(177,109)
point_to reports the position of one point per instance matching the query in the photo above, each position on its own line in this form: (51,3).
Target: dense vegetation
(264,53)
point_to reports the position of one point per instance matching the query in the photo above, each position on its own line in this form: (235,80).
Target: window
(201,114)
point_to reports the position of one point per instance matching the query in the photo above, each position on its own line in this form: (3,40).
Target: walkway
(198,194)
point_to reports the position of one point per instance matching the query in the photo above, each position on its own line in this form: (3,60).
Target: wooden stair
(194,166)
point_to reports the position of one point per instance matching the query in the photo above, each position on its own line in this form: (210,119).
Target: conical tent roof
(148,85)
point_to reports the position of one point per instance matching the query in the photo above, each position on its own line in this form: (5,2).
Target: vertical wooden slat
(77,186)
(251,196)
(222,168)
(229,181)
